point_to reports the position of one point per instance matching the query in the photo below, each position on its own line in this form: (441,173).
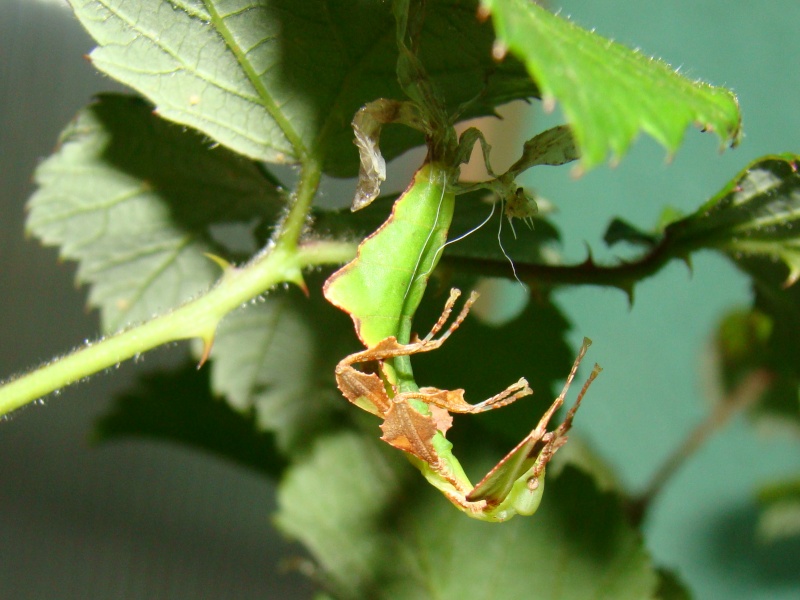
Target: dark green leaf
(472,209)
(755,215)
(132,198)
(178,407)
(280,80)
(622,231)
(276,357)
(768,337)
(608,92)
(577,546)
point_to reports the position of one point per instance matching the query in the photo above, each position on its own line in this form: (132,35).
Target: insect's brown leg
(391,348)
(448,308)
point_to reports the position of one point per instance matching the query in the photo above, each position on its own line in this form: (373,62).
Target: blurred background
(146,520)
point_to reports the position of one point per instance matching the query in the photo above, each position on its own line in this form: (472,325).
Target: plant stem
(197,318)
(747,392)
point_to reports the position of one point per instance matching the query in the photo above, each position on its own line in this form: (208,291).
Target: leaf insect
(383,286)
(416,423)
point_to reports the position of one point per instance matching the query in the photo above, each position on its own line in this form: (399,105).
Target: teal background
(653,389)
(143,520)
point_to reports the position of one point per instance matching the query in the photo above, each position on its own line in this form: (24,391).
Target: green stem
(197,318)
(291,228)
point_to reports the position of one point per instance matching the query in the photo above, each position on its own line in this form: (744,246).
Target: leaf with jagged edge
(755,221)
(176,406)
(275,358)
(280,80)
(377,535)
(757,215)
(132,198)
(608,92)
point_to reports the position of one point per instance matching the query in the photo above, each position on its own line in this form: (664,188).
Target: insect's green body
(381,290)
(382,287)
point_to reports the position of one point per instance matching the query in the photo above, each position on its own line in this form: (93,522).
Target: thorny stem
(622,276)
(746,393)
(283,261)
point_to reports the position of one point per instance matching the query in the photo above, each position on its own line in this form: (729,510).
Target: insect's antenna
(503,250)
(459,238)
(413,279)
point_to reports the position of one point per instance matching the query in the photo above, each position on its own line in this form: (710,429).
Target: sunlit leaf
(609,93)
(280,80)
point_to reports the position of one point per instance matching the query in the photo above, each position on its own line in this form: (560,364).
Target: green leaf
(780,517)
(177,407)
(755,216)
(754,220)
(338,516)
(337,502)
(609,93)
(280,80)
(132,198)
(622,231)
(276,357)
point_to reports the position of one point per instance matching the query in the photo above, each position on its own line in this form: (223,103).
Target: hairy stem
(282,261)
(747,392)
(197,318)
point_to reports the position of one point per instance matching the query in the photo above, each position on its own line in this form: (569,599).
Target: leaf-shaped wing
(383,286)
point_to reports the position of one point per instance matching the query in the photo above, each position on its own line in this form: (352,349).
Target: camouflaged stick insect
(381,290)
(416,423)
(383,286)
